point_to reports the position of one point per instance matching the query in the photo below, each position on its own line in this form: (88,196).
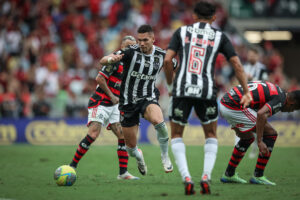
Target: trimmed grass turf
(26,172)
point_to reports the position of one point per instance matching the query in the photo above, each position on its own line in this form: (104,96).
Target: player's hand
(263,149)
(114,58)
(114,100)
(246,99)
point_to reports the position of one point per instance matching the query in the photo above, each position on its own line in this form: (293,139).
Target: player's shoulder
(159,50)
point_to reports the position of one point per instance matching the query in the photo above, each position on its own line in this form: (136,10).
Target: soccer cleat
(165,159)
(261,180)
(189,186)
(232,179)
(141,164)
(127,176)
(204,183)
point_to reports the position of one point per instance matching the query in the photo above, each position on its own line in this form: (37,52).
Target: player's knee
(94,130)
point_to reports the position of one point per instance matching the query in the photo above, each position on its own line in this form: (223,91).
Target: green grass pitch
(26,173)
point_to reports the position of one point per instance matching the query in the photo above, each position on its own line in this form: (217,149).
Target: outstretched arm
(241,76)
(110,59)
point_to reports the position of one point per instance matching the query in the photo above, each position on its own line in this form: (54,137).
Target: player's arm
(261,121)
(227,49)
(110,59)
(169,67)
(242,78)
(103,85)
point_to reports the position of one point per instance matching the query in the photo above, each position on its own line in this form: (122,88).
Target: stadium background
(49,53)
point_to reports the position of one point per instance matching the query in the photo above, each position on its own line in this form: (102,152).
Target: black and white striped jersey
(139,74)
(258,71)
(198,45)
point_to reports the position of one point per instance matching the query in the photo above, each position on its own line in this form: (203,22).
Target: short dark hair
(255,49)
(205,9)
(295,96)
(145,29)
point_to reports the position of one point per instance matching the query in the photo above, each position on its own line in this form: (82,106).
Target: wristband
(109,60)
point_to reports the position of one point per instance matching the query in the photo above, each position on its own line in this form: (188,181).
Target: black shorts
(206,110)
(130,113)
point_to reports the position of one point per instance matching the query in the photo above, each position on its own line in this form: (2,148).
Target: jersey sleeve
(275,104)
(175,41)
(108,70)
(226,47)
(128,53)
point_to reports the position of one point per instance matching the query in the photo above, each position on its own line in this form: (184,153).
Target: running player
(103,110)
(198,45)
(142,63)
(268,99)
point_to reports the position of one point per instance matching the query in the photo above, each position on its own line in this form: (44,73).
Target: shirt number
(196,59)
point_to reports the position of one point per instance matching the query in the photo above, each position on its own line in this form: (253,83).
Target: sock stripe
(121,141)
(232,164)
(123,160)
(90,139)
(260,167)
(123,166)
(122,153)
(81,150)
(79,153)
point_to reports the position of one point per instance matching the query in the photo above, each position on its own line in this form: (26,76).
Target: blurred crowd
(49,50)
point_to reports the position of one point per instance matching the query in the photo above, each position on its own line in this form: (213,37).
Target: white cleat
(167,164)
(127,176)
(141,164)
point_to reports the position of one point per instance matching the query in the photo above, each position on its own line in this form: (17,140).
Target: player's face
(146,40)
(252,57)
(290,106)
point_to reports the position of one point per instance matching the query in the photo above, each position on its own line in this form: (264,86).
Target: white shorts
(244,120)
(104,114)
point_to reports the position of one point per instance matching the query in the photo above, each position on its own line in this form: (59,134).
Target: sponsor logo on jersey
(193,90)
(277,107)
(142,76)
(108,68)
(209,32)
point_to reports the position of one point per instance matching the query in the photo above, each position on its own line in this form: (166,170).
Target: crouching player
(268,99)
(103,109)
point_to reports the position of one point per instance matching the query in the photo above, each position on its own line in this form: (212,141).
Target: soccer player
(103,110)
(268,99)
(142,63)
(198,45)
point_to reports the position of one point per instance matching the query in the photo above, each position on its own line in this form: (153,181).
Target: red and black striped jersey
(113,75)
(263,93)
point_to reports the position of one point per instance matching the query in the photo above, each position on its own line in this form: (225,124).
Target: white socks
(162,137)
(133,152)
(178,149)
(210,155)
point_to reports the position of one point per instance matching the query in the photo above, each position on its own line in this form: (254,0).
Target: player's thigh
(244,135)
(153,113)
(130,135)
(129,115)
(180,110)
(207,111)
(242,120)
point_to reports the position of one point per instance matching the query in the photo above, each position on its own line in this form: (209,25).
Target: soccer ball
(65,175)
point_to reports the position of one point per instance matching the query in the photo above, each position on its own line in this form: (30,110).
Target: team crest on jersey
(156,62)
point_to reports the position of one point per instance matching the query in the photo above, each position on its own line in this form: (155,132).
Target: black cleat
(204,183)
(189,186)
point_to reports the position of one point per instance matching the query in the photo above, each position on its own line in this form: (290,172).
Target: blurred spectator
(49,50)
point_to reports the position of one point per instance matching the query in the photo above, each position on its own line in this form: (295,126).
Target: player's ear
(213,18)
(195,17)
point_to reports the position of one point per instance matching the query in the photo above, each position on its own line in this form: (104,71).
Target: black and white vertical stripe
(139,76)
(204,80)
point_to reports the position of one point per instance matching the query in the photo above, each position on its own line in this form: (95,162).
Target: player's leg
(180,111)
(84,145)
(269,138)
(122,153)
(207,111)
(154,115)
(243,122)
(129,122)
